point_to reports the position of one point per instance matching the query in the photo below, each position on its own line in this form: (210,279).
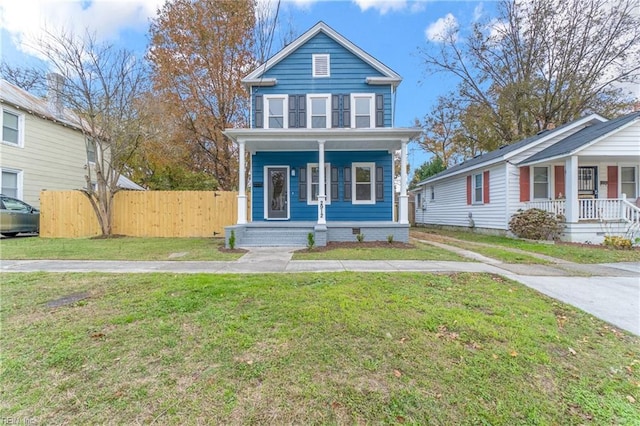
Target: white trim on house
(372,183)
(372,109)
(310,97)
(19,182)
(20,130)
(285,111)
(320,65)
(322,27)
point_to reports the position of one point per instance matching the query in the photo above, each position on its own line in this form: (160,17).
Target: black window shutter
(347,183)
(302,184)
(334,183)
(259,111)
(346,111)
(302,111)
(335,111)
(379,110)
(379,184)
(293,111)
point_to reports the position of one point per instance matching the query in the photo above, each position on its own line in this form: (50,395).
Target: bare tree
(542,63)
(31,79)
(101,85)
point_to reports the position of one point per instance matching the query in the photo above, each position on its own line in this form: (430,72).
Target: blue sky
(390,30)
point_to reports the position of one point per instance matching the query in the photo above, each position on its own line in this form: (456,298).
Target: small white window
(313,183)
(11,183)
(277,117)
(477,188)
(628,182)
(362,111)
(91,150)
(363,183)
(12,128)
(541,183)
(321,65)
(319,111)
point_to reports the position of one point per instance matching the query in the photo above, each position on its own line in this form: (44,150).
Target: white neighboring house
(42,147)
(586,170)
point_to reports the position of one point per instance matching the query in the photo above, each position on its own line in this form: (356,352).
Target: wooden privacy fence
(68,214)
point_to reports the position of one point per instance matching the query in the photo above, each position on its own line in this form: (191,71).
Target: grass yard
(308,349)
(126,248)
(381,251)
(569,252)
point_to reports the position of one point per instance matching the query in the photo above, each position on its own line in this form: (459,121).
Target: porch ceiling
(335,139)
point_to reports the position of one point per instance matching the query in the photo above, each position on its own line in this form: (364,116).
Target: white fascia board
(383,81)
(321,26)
(263,82)
(385,133)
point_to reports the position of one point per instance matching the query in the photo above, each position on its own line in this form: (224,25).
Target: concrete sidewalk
(610,292)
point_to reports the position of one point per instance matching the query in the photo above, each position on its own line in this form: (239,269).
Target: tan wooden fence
(68,214)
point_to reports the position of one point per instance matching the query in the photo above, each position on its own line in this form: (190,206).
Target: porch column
(322,197)
(242,196)
(403,202)
(572,207)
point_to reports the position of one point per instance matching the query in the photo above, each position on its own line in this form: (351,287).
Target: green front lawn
(126,248)
(341,348)
(569,252)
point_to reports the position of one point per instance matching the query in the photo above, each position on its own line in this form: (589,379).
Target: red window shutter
(559,181)
(612,181)
(524,183)
(468,189)
(485,187)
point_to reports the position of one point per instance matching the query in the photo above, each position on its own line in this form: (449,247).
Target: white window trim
(474,188)
(372,109)
(313,65)
(324,96)
(533,182)
(20,179)
(265,192)
(327,182)
(20,115)
(353,183)
(285,110)
(635,176)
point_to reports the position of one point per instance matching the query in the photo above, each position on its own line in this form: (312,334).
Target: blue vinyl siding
(338,210)
(348,74)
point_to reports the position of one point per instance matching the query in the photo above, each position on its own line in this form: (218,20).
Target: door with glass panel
(277,193)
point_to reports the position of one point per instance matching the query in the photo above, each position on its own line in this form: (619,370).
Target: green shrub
(360,237)
(311,241)
(536,224)
(232,240)
(390,238)
(616,242)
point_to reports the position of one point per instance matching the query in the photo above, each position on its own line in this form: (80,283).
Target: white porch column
(242,196)
(403,205)
(572,206)
(322,196)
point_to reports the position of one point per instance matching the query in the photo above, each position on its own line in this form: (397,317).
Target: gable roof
(21,99)
(390,76)
(583,138)
(507,151)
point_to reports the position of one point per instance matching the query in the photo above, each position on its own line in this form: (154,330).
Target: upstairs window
(362,111)
(91,150)
(11,128)
(319,112)
(321,65)
(275,109)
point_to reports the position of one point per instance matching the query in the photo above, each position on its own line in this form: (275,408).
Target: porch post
(322,197)
(403,202)
(572,207)
(242,196)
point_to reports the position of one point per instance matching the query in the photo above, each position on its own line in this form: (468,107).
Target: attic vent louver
(321,65)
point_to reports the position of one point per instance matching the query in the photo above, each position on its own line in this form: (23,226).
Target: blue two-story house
(321,147)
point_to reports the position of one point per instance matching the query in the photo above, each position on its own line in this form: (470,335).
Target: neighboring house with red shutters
(586,170)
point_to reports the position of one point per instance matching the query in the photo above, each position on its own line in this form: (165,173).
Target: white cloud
(27,21)
(477,12)
(386,6)
(439,30)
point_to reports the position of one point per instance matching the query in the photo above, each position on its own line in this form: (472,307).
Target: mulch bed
(361,245)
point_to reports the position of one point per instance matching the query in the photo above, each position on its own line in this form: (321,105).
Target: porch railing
(600,209)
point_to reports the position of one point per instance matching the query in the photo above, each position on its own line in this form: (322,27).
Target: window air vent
(321,65)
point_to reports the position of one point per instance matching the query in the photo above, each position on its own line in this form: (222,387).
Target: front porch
(295,233)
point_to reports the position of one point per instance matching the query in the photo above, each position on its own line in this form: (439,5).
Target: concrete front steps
(286,235)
